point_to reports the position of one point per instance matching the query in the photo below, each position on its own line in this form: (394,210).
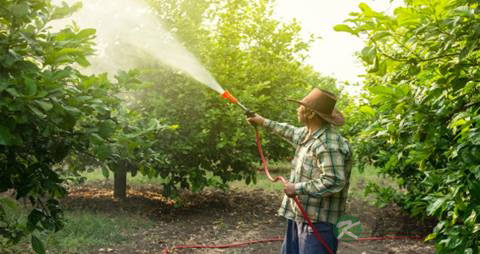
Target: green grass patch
(85,231)
(359,180)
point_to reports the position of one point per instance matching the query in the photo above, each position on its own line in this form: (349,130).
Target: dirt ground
(216,218)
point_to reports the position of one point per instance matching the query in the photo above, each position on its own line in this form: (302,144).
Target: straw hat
(323,103)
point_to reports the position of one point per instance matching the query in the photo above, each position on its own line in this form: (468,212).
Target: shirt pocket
(310,169)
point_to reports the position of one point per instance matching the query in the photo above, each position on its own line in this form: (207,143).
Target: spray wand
(227,95)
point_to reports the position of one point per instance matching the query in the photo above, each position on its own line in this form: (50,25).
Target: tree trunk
(120,182)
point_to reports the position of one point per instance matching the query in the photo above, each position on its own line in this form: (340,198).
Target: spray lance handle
(227,95)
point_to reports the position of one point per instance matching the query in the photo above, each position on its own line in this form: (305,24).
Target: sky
(333,54)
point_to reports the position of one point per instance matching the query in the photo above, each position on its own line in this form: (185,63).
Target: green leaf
(36,111)
(82,61)
(33,218)
(86,33)
(30,87)
(46,106)
(381,90)
(13,92)
(433,207)
(476,228)
(430,237)
(106,128)
(37,245)
(380,35)
(368,54)
(343,28)
(5,136)
(69,51)
(366,9)
(470,221)
(72,110)
(367,110)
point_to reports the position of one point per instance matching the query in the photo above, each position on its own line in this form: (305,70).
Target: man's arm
(332,163)
(290,133)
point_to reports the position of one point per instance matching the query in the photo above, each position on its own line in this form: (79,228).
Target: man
(320,173)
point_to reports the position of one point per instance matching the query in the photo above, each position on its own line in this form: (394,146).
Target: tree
(422,112)
(257,58)
(49,110)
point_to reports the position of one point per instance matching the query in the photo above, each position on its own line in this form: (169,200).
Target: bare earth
(217,218)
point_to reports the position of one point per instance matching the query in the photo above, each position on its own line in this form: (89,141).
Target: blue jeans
(300,239)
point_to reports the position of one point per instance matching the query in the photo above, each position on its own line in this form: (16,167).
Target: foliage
(421,122)
(50,110)
(39,109)
(122,139)
(256,57)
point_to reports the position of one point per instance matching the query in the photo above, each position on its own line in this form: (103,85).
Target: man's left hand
(289,189)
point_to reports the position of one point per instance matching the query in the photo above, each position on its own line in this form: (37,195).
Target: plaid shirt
(320,171)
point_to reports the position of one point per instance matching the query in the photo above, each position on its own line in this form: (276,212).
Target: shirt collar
(319,132)
(316,134)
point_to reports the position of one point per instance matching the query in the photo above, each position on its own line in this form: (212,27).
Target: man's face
(301,114)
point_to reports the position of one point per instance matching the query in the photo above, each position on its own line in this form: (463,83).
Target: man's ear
(311,115)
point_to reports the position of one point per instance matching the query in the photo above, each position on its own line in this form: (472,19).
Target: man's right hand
(257,119)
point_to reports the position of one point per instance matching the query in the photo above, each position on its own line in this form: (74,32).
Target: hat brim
(336,118)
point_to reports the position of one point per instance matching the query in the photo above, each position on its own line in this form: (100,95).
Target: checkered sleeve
(290,133)
(329,175)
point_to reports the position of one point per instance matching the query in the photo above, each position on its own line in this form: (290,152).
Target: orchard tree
(257,58)
(50,110)
(41,101)
(120,140)
(422,113)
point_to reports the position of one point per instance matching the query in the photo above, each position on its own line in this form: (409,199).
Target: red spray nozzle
(226,94)
(229,97)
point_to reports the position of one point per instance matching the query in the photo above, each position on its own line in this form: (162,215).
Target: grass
(86,230)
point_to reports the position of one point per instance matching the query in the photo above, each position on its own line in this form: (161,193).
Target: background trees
(256,57)
(422,112)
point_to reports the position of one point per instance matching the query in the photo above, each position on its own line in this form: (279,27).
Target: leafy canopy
(421,122)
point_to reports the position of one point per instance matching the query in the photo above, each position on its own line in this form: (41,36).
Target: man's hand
(289,190)
(257,119)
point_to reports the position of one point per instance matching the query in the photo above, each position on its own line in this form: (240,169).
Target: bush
(421,120)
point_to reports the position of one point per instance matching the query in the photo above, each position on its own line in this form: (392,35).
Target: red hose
(242,244)
(387,237)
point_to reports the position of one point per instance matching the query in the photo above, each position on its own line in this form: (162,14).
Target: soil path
(216,217)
